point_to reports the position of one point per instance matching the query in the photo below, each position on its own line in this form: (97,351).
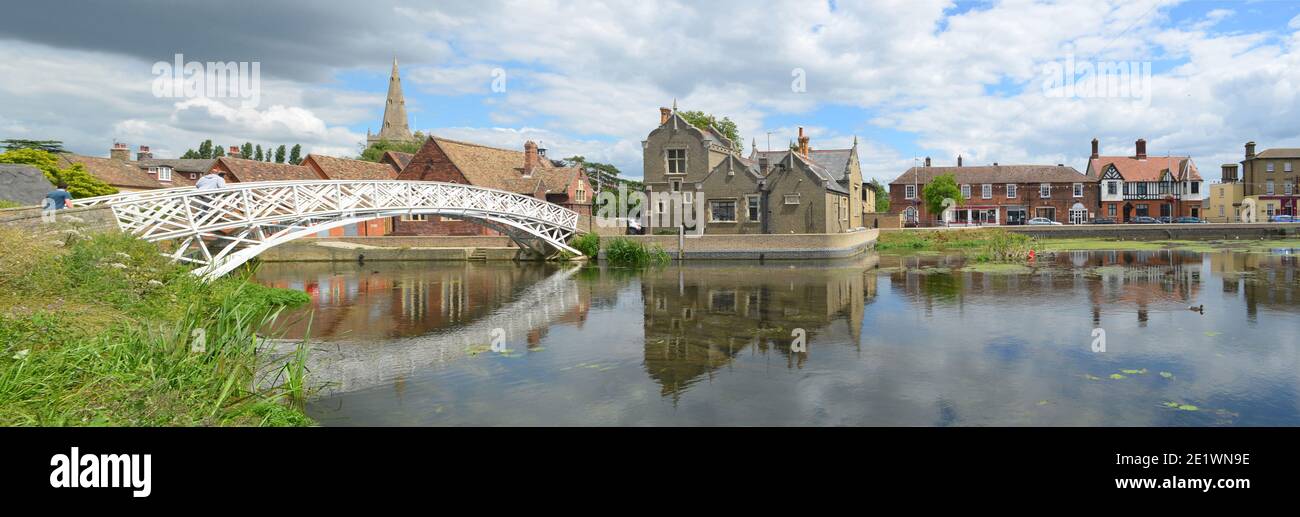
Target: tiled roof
(1279,153)
(349,169)
(253,170)
(118,173)
(995,174)
(1150,168)
(399,159)
(490,166)
(181,170)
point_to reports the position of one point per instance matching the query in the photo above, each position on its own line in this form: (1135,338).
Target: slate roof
(979,174)
(1150,168)
(23,184)
(1283,152)
(253,170)
(349,169)
(816,163)
(118,173)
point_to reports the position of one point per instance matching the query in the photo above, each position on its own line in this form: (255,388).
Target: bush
(625,252)
(587,243)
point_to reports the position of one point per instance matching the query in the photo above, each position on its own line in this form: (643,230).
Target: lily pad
(1167,375)
(1091,377)
(1116,376)
(1135,372)
(1211,333)
(1180,406)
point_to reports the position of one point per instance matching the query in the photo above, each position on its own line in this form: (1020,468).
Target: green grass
(587,243)
(985,245)
(105,331)
(625,252)
(5,203)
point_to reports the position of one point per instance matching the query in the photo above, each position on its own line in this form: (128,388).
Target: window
(1045,190)
(164,174)
(844,208)
(415,217)
(1110,210)
(1196,187)
(1288,188)
(752,207)
(1143,210)
(194,175)
(581,194)
(986,191)
(909,213)
(1286,167)
(1269,188)
(1112,188)
(1141,189)
(677,186)
(1269,167)
(688,198)
(1011,191)
(676,161)
(722,302)
(791,199)
(965,191)
(1220,210)
(722,210)
(909,192)
(1078,190)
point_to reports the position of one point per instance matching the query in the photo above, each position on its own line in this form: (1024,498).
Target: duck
(1197,308)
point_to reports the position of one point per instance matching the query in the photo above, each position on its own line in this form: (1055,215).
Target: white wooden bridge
(219,230)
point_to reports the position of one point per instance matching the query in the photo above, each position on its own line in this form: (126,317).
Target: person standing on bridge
(211,181)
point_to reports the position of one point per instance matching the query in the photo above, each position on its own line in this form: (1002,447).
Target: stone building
(394,127)
(789,191)
(528,172)
(1141,185)
(998,194)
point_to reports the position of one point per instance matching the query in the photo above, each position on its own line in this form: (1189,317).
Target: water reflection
(916,340)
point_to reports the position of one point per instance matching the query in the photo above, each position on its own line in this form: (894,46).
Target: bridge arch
(219,230)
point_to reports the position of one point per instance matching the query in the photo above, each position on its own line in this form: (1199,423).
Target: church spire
(394,126)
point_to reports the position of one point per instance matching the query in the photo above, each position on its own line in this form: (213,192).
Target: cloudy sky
(999,82)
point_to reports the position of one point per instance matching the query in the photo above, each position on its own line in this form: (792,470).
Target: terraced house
(1270,178)
(798,190)
(998,194)
(1151,186)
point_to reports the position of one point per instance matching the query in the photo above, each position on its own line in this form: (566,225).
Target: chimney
(1229,173)
(1141,149)
(234,152)
(1094,148)
(1250,150)
(664,114)
(531,158)
(763,164)
(144,153)
(959,160)
(927,161)
(803,143)
(120,152)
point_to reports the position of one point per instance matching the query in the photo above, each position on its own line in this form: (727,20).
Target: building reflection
(697,319)
(395,299)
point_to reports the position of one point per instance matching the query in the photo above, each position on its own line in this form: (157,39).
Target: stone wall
(762,246)
(95,219)
(1162,231)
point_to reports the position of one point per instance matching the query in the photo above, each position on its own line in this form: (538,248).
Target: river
(1186,338)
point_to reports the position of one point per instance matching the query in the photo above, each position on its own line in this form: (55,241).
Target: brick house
(121,172)
(528,172)
(1141,185)
(788,191)
(1271,177)
(999,194)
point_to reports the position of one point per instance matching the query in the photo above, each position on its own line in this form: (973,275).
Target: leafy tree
(205,150)
(279,154)
(375,151)
(940,189)
(190,154)
(882,195)
(258,153)
(49,146)
(725,126)
(246,151)
(217,151)
(579,161)
(295,156)
(80,183)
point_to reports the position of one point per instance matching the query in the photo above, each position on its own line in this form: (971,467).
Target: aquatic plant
(625,252)
(587,243)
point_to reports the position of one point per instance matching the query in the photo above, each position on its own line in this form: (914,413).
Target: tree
(725,126)
(246,151)
(258,152)
(190,154)
(49,146)
(279,154)
(579,161)
(80,183)
(217,151)
(882,195)
(295,156)
(205,150)
(375,152)
(938,191)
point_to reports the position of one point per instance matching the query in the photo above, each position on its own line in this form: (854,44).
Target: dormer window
(164,173)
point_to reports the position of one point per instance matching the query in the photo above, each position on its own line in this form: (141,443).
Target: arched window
(910,214)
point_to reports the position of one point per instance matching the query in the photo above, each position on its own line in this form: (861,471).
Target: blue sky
(908,78)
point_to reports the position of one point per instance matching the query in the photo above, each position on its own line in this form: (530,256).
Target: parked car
(1103,220)
(1042,221)
(1165,219)
(1192,220)
(1142,219)
(1282,219)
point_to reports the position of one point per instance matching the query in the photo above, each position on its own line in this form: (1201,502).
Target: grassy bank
(621,251)
(105,331)
(1000,245)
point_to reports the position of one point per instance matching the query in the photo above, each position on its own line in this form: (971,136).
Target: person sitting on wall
(58,199)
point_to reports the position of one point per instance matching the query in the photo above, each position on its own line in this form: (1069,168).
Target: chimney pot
(1141,149)
(234,152)
(1094,148)
(531,157)
(120,152)
(144,153)
(1229,173)
(1250,150)
(927,161)
(959,160)
(803,143)
(664,114)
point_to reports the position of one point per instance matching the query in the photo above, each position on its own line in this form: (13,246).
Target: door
(1015,216)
